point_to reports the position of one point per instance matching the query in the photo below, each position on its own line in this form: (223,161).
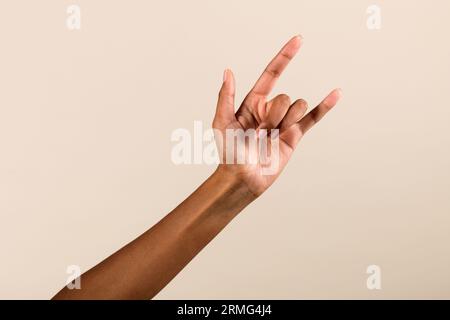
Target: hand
(257,113)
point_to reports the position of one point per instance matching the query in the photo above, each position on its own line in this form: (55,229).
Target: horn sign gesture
(279,113)
(144,266)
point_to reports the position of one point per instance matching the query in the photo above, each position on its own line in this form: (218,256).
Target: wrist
(233,185)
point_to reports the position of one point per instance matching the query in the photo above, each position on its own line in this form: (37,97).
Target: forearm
(143,267)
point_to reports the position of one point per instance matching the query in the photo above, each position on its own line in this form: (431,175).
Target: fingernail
(225,75)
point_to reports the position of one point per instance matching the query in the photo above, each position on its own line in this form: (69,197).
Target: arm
(143,267)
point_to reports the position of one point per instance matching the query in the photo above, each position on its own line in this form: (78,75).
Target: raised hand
(144,266)
(256,113)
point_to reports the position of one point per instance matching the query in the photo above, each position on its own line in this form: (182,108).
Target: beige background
(86,118)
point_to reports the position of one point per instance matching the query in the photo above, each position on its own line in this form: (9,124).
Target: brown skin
(146,265)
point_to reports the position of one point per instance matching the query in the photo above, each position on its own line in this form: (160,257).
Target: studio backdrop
(92,91)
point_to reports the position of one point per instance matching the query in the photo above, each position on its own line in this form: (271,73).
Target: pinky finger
(314,116)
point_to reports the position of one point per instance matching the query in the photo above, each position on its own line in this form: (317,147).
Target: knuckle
(315,116)
(284,99)
(301,103)
(326,106)
(273,73)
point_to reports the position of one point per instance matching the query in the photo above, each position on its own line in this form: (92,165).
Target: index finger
(274,69)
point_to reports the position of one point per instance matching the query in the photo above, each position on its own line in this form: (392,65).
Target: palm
(257,113)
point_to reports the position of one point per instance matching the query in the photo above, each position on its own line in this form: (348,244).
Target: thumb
(225,103)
